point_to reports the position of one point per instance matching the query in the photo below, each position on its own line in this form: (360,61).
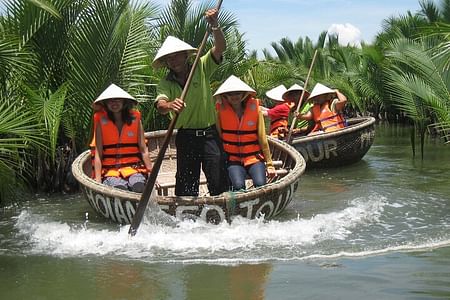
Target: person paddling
(197,142)
(121,158)
(241,127)
(292,95)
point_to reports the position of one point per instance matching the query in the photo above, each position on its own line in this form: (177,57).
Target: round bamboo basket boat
(267,201)
(338,148)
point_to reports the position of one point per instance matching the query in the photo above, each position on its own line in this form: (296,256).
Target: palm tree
(109,44)
(418,85)
(67,53)
(416,47)
(19,132)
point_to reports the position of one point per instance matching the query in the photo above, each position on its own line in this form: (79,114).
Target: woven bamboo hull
(268,200)
(337,148)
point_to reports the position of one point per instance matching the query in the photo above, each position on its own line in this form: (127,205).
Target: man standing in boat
(198,144)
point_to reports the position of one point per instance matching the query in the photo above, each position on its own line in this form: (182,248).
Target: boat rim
(293,175)
(363,122)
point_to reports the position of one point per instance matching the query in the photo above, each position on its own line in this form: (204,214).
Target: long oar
(300,100)
(145,198)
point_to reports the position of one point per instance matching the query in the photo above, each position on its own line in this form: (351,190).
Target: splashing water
(365,226)
(154,215)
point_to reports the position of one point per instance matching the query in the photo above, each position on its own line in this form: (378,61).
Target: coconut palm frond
(109,45)
(70,131)
(195,24)
(47,6)
(321,40)
(406,90)
(279,51)
(429,10)
(411,56)
(133,37)
(19,134)
(172,19)
(445,10)
(267,55)
(25,18)
(407,25)
(289,49)
(48,108)
(266,75)
(347,87)
(19,127)
(235,61)
(12,60)
(440,112)
(440,50)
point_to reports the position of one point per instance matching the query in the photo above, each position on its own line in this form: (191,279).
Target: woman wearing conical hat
(327,109)
(121,158)
(241,127)
(197,141)
(279,113)
(292,95)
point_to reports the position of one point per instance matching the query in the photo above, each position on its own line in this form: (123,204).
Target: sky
(267,21)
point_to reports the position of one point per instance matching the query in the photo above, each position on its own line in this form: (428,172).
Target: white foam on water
(190,241)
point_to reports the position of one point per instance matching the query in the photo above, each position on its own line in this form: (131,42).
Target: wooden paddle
(300,100)
(145,197)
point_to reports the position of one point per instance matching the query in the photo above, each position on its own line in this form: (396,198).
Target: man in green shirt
(198,144)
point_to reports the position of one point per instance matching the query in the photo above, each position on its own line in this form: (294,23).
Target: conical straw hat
(319,91)
(276,93)
(114,92)
(234,84)
(171,45)
(295,88)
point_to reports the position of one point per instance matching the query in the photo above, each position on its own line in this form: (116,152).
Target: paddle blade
(145,198)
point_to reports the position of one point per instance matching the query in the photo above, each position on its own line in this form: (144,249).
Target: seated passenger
(292,95)
(279,113)
(121,158)
(327,109)
(242,130)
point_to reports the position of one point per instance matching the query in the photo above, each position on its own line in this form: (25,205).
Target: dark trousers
(197,149)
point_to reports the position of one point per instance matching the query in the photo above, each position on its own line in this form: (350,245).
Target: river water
(378,229)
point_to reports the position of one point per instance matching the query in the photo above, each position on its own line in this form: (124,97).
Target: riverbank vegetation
(56,56)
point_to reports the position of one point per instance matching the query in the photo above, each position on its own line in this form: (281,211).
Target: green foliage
(19,132)
(48,109)
(109,44)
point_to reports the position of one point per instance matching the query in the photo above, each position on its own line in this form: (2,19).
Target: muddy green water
(378,229)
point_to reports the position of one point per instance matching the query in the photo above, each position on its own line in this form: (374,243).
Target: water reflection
(241,282)
(129,280)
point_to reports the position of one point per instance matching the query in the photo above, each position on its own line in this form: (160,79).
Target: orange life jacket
(278,124)
(279,127)
(240,136)
(121,156)
(325,119)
